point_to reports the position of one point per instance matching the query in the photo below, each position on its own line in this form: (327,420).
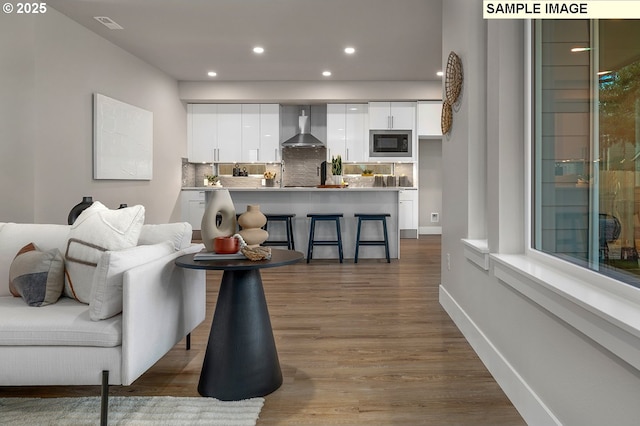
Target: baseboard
(409,233)
(430,230)
(523,398)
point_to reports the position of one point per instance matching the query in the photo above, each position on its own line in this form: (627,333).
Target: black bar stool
(288,223)
(376,216)
(312,228)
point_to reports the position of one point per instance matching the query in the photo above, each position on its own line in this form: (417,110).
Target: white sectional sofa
(60,343)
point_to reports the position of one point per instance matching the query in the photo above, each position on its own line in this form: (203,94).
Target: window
(587,144)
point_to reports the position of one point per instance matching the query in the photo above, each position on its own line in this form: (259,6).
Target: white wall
(17,101)
(553,373)
(63,65)
(430,184)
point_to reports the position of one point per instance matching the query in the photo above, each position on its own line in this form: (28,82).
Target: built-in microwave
(390,143)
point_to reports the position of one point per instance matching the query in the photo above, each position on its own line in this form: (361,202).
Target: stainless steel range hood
(304,138)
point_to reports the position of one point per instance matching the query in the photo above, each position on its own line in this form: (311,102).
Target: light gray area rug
(130,410)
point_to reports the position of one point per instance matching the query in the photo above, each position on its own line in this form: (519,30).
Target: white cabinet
(202,132)
(357,132)
(347,131)
(269,133)
(392,115)
(214,132)
(250,132)
(230,133)
(408,214)
(429,113)
(260,132)
(192,206)
(336,131)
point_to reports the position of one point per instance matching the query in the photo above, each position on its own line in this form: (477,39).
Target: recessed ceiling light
(439,73)
(258,49)
(212,73)
(580,49)
(349,50)
(326,73)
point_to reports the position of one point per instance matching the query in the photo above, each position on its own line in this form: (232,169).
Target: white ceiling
(394,39)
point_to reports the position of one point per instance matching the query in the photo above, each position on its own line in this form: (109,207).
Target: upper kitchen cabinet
(202,132)
(229,132)
(269,133)
(214,132)
(347,131)
(392,115)
(260,132)
(250,132)
(429,113)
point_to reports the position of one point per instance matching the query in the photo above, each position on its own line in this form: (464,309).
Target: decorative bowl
(226,245)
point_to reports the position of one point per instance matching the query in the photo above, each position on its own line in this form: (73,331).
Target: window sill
(610,319)
(477,251)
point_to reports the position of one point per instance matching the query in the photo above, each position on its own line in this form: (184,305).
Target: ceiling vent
(108,22)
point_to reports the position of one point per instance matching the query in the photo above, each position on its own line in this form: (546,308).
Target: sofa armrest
(162,303)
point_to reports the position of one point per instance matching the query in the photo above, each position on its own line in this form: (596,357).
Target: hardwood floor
(364,343)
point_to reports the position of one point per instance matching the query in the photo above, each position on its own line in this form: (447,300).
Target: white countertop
(298,189)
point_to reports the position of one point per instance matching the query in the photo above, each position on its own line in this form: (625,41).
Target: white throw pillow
(95,231)
(178,232)
(106,292)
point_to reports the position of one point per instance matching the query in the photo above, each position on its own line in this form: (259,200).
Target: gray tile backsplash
(302,166)
(193,173)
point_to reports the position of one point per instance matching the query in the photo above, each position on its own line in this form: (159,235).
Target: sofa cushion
(65,323)
(95,231)
(180,233)
(13,236)
(37,276)
(106,292)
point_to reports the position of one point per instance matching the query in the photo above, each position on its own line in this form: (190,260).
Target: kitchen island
(348,201)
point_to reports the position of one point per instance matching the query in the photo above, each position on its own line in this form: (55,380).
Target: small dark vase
(78,208)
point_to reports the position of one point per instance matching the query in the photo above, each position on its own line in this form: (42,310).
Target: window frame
(604,309)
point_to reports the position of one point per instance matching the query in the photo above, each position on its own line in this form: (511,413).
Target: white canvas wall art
(122,140)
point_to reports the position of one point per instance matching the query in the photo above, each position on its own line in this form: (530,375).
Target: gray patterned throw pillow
(37,276)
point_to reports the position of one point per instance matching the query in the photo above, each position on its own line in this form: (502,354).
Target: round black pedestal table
(241,360)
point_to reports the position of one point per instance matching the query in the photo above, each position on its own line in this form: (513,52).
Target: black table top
(279,257)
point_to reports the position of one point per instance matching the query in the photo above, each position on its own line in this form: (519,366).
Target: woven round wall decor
(453,78)
(446,118)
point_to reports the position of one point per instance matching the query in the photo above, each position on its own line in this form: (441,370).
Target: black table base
(241,360)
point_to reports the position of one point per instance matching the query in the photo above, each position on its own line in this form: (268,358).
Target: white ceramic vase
(219,203)
(337,179)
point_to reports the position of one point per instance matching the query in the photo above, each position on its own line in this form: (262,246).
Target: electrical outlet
(448,262)
(435,217)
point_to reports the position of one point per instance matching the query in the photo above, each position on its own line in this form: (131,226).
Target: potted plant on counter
(336,169)
(212,180)
(269,179)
